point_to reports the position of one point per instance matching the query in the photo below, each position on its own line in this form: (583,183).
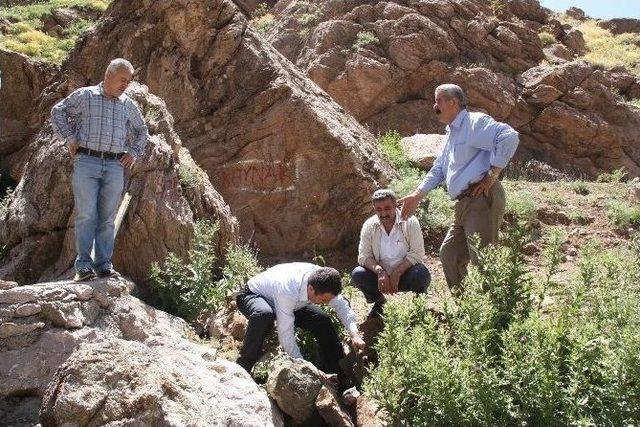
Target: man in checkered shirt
(104,132)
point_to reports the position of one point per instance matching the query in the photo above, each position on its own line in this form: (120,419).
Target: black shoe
(84,274)
(377,310)
(108,272)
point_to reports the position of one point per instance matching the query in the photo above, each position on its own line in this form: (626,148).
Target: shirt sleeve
(436,175)
(365,249)
(285,322)
(346,315)
(65,115)
(498,138)
(137,139)
(416,252)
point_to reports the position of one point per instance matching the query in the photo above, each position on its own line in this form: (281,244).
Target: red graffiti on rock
(257,176)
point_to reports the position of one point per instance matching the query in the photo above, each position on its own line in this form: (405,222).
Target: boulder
(295,384)
(422,149)
(163,208)
(264,133)
(23,79)
(576,13)
(111,358)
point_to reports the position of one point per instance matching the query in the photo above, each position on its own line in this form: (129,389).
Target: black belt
(102,154)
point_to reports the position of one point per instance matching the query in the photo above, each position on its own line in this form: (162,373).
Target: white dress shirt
(393,246)
(284,286)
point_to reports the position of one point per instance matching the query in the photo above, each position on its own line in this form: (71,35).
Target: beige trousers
(480,215)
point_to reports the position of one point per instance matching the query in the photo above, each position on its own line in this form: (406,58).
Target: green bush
(520,205)
(26,35)
(623,215)
(364,38)
(187,287)
(5,202)
(546,38)
(580,187)
(618,175)
(501,361)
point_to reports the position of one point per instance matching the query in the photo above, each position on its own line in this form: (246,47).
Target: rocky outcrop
(296,170)
(97,355)
(381,60)
(23,79)
(375,59)
(621,25)
(169,192)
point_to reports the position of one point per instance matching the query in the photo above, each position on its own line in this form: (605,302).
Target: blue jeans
(97,188)
(415,279)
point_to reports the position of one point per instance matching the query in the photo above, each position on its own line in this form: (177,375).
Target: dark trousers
(310,318)
(415,279)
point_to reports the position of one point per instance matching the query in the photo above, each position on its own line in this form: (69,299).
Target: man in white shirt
(288,294)
(390,253)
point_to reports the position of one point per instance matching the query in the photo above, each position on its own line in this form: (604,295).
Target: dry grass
(26,35)
(608,50)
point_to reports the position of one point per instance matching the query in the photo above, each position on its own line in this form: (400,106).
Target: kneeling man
(288,294)
(390,253)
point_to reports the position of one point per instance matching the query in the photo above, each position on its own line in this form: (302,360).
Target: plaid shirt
(97,122)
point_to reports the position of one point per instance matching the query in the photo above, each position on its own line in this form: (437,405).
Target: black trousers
(310,318)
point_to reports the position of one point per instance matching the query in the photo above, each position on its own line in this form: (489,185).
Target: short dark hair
(326,280)
(383,194)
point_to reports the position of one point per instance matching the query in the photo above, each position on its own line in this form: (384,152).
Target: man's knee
(360,276)
(420,278)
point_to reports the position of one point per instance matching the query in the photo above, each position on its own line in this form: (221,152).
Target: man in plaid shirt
(104,132)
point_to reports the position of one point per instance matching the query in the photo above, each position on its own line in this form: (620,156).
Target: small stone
(28,310)
(83,292)
(330,410)
(102,299)
(572,252)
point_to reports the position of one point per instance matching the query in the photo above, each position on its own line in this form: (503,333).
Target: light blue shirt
(474,143)
(98,122)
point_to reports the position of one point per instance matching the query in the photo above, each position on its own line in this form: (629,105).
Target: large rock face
(23,79)
(382,60)
(38,226)
(97,355)
(295,169)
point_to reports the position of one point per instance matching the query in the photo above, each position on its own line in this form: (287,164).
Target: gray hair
(119,64)
(383,194)
(453,92)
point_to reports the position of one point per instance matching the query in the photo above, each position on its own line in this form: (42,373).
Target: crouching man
(390,253)
(290,294)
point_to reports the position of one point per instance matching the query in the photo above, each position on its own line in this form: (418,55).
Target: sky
(598,8)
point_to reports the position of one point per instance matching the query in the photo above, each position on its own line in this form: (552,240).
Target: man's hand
(73,147)
(483,187)
(358,343)
(127,160)
(394,282)
(383,282)
(410,204)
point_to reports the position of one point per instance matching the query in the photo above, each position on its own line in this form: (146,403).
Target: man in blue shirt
(476,149)
(104,132)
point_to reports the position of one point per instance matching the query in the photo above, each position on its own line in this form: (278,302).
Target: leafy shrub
(499,360)
(365,38)
(187,176)
(263,23)
(261,10)
(521,206)
(189,286)
(307,19)
(618,175)
(546,38)
(580,187)
(623,215)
